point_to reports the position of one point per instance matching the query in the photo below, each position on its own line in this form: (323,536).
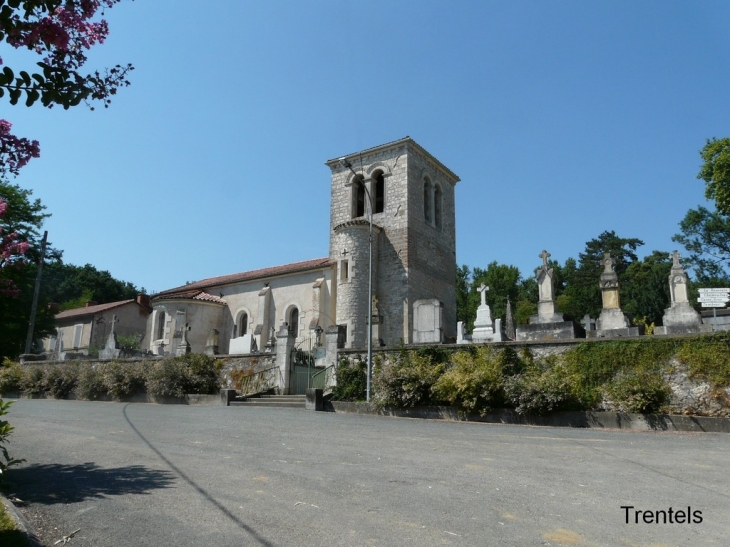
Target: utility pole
(36,292)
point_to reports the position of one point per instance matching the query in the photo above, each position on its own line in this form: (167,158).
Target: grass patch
(9,535)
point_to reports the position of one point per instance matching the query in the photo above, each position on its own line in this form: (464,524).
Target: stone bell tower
(414,244)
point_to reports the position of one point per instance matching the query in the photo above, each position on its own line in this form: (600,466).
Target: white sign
(708,292)
(714,304)
(708,300)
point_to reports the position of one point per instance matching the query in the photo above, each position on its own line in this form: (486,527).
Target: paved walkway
(143,474)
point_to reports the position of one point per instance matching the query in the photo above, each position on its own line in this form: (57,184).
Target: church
(399,193)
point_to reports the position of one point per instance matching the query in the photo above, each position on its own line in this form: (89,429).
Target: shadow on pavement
(56,483)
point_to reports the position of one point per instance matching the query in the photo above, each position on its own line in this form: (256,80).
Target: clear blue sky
(563,119)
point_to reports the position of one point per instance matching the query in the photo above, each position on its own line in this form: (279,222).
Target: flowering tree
(60,31)
(12,250)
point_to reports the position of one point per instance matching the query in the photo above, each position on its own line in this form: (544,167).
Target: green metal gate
(302,370)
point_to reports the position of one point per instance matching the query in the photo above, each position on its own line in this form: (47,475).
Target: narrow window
(437,206)
(160,325)
(358,197)
(294,322)
(243,324)
(344,270)
(379,193)
(427,200)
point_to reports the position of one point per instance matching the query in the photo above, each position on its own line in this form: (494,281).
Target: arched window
(294,322)
(358,197)
(243,324)
(437,206)
(160,330)
(427,200)
(379,192)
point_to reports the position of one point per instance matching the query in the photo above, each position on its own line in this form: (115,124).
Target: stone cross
(675,260)
(544,255)
(114,322)
(185,330)
(483,290)
(344,252)
(608,263)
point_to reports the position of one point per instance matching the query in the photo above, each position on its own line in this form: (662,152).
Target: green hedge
(172,377)
(629,375)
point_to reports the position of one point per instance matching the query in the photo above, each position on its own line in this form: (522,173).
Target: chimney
(144,300)
(91,303)
(53,307)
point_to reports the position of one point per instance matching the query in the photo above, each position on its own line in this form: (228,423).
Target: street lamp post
(358,180)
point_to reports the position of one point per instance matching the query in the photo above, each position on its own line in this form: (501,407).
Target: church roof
(192,295)
(246,276)
(91,310)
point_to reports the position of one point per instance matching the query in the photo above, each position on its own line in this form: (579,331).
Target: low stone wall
(244,364)
(606,420)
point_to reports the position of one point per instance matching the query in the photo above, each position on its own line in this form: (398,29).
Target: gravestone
(211,344)
(243,345)
(111,349)
(483,328)
(428,321)
(509,328)
(183,347)
(548,324)
(680,317)
(612,322)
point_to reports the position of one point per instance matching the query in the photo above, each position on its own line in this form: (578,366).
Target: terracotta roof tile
(90,310)
(247,276)
(191,295)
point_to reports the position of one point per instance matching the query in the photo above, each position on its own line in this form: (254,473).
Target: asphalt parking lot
(143,474)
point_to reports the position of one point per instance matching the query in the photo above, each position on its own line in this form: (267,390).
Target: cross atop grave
(483,290)
(608,263)
(545,255)
(185,330)
(675,260)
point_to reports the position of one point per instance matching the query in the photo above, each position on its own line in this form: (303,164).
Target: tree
(72,286)
(12,251)
(715,171)
(463,276)
(23,218)
(645,287)
(60,31)
(504,282)
(582,294)
(706,235)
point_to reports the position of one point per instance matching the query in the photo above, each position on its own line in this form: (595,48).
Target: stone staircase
(264,401)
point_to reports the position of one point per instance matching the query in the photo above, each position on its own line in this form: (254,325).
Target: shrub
(11,376)
(408,381)
(543,387)
(167,378)
(707,358)
(130,341)
(122,379)
(33,381)
(60,380)
(351,381)
(201,373)
(5,430)
(638,391)
(474,380)
(90,383)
